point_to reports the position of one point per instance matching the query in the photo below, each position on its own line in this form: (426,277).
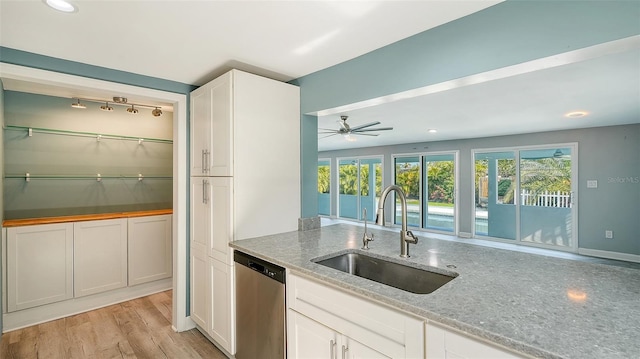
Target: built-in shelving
(98,136)
(96,177)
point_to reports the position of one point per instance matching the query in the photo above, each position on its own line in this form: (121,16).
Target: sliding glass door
(360,184)
(495,206)
(407,177)
(439,199)
(546,197)
(526,195)
(324,187)
(429,181)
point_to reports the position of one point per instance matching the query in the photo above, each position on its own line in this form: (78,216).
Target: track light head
(132,110)
(78,104)
(157,112)
(106,107)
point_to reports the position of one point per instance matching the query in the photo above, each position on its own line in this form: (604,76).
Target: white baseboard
(610,255)
(44,313)
(464,234)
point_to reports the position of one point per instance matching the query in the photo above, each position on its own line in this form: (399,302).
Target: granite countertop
(538,305)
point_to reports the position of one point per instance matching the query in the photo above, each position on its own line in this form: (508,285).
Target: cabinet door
(222,309)
(355,350)
(100,256)
(307,338)
(200,301)
(201,213)
(221,159)
(200,131)
(221,192)
(39,265)
(149,243)
(445,344)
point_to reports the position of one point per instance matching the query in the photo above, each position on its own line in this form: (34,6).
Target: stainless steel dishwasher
(260,308)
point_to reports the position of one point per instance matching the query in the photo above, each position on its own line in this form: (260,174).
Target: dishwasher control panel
(270,270)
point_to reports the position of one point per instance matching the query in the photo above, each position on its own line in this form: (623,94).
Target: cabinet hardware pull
(332,349)
(203,163)
(207,161)
(205,196)
(344,352)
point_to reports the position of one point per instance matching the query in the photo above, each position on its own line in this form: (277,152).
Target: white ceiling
(194,41)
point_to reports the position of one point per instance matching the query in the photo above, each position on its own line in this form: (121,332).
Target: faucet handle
(366,238)
(411,238)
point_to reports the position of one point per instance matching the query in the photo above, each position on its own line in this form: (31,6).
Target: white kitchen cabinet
(443,343)
(211,216)
(245,181)
(39,265)
(100,256)
(221,305)
(211,297)
(212,128)
(199,269)
(149,248)
(361,328)
(310,339)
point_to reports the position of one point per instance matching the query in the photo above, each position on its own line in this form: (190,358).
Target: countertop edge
(83,217)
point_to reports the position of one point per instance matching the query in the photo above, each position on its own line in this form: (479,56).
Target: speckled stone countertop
(537,305)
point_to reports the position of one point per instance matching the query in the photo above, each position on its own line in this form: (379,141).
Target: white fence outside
(546,199)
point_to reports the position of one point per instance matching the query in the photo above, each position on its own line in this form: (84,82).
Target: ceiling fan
(347,130)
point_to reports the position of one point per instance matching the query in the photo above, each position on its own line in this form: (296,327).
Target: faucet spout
(406,236)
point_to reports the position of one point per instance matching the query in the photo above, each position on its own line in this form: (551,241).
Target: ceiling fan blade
(333,134)
(375,129)
(364,134)
(365,125)
(328,129)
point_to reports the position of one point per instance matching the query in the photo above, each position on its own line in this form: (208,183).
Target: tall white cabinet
(245,182)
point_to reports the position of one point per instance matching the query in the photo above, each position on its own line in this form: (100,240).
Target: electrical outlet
(608,234)
(592,183)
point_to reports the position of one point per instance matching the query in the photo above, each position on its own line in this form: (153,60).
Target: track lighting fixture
(106,107)
(132,110)
(78,104)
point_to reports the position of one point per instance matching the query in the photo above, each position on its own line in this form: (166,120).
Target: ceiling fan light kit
(347,131)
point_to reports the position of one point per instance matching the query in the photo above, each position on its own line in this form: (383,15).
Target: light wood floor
(140,328)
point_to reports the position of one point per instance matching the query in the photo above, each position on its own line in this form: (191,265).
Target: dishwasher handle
(255,266)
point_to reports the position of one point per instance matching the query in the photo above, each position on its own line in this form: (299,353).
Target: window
(324,187)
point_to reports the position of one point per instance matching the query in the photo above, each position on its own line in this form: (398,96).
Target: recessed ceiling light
(432,130)
(61,5)
(576,114)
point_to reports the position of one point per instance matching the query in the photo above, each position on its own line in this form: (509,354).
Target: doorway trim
(51,79)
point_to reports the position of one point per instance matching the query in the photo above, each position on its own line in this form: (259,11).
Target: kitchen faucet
(366,238)
(406,236)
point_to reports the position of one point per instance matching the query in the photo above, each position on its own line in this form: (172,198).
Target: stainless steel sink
(410,279)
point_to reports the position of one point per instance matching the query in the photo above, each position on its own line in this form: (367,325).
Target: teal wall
(29,59)
(66,155)
(509,33)
(23,58)
(610,155)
